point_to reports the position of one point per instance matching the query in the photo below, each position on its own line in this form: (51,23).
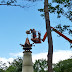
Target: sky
(14,21)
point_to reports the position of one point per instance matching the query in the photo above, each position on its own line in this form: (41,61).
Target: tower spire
(27,65)
(27,41)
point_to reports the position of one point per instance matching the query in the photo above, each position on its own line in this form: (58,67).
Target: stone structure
(27,57)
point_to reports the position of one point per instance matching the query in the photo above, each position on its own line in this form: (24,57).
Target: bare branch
(13,5)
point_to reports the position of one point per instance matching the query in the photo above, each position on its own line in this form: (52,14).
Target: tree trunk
(50,43)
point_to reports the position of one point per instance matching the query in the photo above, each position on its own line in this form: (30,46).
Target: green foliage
(1,70)
(63,66)
(11,69)
(40,66)
(65,6)
(15,66)
(2,66)
(62,7)
(63,29)
(60,1)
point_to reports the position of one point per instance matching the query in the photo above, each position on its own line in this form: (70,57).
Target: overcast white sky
(57,56)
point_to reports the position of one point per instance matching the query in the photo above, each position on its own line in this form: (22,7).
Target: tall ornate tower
(27,65)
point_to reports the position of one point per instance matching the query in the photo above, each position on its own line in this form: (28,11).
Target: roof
(27,41)
(27,45)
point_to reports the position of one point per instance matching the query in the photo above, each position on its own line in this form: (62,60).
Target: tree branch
(13,5)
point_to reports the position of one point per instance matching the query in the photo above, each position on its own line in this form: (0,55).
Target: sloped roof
(27,41)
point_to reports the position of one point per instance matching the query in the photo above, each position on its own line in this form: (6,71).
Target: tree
(63,66)
(15,66)
(40,66)
(1,70)
(62,7)
(59,11)
(11,69)
(48,29)
(50,43)
(2,66)
(50,51)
